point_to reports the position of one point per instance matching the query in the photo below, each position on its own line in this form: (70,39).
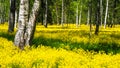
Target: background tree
(98,17)
(46,13)
(62,13)
(106,13)
(12,16)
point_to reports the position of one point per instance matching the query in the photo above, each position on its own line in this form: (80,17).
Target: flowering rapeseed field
(63,47)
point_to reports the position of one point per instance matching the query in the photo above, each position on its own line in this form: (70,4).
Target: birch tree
(26,28)
(88,16)
(80,13)
(23,20)
(106,13)
(29,34)
(77,16)
(46,5)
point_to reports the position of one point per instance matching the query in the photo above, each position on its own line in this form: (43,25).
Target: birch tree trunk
(80,13)
(62,12)
(88,17)
(16,19)
(45,23)
(30,29)
(77,16)
(106,13)
(12,16)
(23,20)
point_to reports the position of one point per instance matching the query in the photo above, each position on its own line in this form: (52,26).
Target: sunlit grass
(63,47)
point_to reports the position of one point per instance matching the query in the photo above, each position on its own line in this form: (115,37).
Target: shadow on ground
(69,45)
(57,43)
(8,36)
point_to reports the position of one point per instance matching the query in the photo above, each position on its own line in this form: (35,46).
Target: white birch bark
(106,14)
(88,17)
(23,19)
(16,18)
(26,29)
(77,16)
(80,13)
(31,24)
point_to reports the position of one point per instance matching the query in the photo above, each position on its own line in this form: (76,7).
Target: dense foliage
(70,7)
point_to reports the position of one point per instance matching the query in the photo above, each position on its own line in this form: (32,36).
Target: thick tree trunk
(12,16)
(106,13)
(23,20)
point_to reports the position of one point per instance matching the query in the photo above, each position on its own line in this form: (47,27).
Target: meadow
(63,47)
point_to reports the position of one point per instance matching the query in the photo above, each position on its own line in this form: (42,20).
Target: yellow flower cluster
(61,55)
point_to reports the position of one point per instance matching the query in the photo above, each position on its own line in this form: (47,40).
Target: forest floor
(63,47)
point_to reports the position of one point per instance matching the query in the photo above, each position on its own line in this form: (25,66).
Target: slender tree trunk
(12,16)
(101,11)
(57,14)
(114,13)
(16,19)
(77,16)
(0,14)
(106,13)
(45,23)
(88,17)
(98,18)
(62,13)
(80,13)
(23,20)
(65,16)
